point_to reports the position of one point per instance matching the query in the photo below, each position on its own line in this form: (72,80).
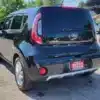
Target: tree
(48,2)
(2,13)
(38,2)
(82,4)
(8,6)
(52,2)
(15,5)
(31,3)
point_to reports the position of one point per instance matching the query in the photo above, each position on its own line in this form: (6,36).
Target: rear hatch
(65,32)
(66,25)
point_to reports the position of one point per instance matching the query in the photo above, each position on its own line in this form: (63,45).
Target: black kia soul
(49,43)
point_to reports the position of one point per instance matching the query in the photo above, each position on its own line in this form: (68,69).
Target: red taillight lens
(43,71)
(36,38)
(34,35)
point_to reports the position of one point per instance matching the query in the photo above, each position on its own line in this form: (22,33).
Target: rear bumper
(58,76)
(57,71)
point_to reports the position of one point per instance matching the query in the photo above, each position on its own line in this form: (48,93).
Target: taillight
(36,38)
(43,71)
(34,34)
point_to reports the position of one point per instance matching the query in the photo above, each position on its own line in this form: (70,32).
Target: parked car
(47,43)
(96,21)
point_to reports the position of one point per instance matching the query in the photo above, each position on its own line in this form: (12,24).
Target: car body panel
(54,56)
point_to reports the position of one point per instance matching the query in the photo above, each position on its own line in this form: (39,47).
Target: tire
(22,80)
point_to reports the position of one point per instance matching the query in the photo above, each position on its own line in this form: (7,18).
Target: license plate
(77,65)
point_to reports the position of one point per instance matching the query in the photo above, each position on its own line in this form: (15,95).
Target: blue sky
(70,2)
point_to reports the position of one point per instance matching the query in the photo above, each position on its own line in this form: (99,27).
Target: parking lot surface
(75,88)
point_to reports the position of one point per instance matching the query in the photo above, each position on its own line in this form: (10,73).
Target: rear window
(56,19)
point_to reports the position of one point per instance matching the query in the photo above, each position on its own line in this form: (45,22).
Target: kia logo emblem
(73,36)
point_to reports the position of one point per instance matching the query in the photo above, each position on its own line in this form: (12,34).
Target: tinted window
(56,19)
(25,19)
(7,23)
(17,22)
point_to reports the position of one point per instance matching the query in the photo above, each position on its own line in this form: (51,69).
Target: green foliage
(39,2)
(52,2)
(48,2)
(15,5)
(2,12)
(8,6)
(30,4)
(82,4)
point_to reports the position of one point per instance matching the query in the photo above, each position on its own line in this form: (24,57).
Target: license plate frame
(76,65)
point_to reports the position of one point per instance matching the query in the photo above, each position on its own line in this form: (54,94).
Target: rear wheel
(22,79)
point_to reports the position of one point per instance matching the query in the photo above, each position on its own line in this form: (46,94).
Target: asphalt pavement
(74,88)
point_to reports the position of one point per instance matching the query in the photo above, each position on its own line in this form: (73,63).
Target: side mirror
(1,33)
(1,25)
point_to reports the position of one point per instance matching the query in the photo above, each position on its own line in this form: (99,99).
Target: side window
(24,20)
(7,23)
(39,27)
(17,21)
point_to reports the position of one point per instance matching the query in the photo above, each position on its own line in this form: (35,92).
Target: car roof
(25,11)
(32,10)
